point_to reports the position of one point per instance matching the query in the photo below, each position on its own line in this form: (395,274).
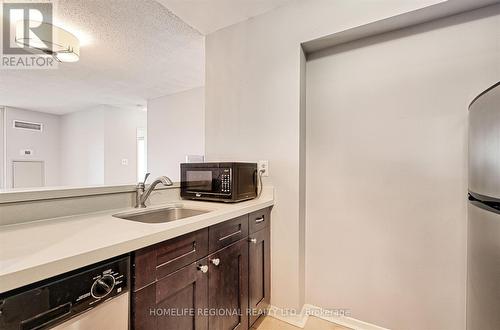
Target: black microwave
(220,182)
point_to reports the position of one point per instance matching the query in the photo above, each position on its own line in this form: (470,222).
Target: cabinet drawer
(259,219)
(227,232)
(159,260)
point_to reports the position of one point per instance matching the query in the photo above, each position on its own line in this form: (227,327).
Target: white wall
(175,129)
(120,142)
(44,144)
(253,108)
(82,148)
(387,174)
(94,142)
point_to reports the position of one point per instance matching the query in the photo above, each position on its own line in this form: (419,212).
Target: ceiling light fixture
(50,39)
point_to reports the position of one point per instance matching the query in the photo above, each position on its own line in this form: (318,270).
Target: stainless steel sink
(160,215)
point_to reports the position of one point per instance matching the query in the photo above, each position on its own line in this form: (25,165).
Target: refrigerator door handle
(491,205)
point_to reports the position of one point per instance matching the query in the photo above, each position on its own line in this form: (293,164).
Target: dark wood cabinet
(216,278)
(259,220)
(227,232)
(156,261)
(259,273)
(228,287)
(173,302)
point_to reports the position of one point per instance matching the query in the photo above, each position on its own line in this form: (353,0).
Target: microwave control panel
(226,181)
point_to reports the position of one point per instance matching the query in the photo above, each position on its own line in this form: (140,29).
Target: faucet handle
(146,177)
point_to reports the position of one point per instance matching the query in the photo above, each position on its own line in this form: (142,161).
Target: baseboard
(296,319)
(300,319)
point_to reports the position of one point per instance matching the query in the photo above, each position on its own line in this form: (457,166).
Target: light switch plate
(26,152)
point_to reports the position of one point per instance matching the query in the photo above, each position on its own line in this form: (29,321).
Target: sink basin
(160,215)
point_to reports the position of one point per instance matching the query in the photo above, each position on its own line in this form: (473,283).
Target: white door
(28,174)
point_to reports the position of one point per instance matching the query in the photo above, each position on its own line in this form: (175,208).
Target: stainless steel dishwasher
(94,297)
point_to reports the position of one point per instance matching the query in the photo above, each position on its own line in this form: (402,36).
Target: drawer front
(228,232)
(159,260)
(143,267)
(259,219)
(181,251)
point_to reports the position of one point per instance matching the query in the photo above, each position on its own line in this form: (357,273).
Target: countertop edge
(18,279)
(30,195)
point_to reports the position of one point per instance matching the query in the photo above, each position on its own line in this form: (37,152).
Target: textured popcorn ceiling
(208,16)
(132,50)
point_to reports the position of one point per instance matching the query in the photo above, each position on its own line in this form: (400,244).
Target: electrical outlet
(263,165)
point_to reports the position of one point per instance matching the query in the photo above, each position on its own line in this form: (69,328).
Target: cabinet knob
(252,240)
(203,268)
(216,261)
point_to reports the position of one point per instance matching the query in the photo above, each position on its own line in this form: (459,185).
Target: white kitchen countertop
(33,251)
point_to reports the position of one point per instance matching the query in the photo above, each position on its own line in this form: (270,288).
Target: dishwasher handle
(47,317)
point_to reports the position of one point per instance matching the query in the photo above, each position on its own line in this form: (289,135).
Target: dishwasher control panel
(44,304)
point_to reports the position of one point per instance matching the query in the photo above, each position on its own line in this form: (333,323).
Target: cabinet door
(228,287)
(259,278)
(176,302)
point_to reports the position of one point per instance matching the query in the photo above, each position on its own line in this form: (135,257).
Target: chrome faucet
(143,193)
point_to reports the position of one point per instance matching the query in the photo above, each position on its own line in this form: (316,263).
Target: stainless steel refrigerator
(483,238)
